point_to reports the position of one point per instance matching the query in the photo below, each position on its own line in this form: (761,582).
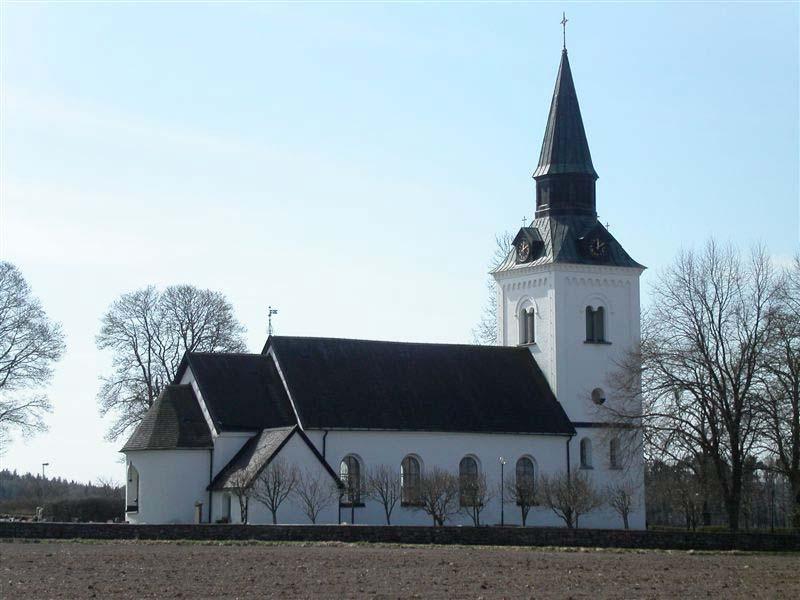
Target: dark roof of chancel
(565,149)
(256,454)
(243,392)
(358,384)
(174,421)
(562,236)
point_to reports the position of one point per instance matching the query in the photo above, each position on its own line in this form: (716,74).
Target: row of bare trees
(716,380)
(439,493)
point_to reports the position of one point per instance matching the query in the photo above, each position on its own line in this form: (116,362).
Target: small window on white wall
(527,326)
(598,396)
(613,453)
(132,489)
(586,453)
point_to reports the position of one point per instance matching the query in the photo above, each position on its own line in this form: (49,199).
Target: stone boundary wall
(491,536)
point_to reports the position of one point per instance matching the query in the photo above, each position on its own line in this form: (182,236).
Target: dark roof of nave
(358,384)
(241,391)
(561,235)
(174,421)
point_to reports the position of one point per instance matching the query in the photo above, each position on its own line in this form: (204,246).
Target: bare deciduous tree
(781,384)
(148,333)
(274,484)
(240,486)
(314,492)
(485,332)
(620,495)
(522,493)
(30,344)
(693,384)
(569,496)
(438,495)
(475,494)
(383,485)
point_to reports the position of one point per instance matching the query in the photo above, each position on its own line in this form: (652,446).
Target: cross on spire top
(564,22)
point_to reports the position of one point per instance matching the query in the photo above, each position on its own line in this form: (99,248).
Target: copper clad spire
(565,177)
(565,149)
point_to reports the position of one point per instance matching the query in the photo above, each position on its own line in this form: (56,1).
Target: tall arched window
(525,481)
(132,490)
(350,475)
(586,453)
(410,480)
(613,453)
(527,326)
(595,324)
(467,480)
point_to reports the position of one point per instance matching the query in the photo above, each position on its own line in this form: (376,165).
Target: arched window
(586,453)
(350,475)
(132,489)
(613,453)
(410,480)
(598,396)
(527,327)
(525,481)
(467,480)
(595,324)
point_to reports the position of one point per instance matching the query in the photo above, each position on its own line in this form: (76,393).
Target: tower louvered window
(595,324)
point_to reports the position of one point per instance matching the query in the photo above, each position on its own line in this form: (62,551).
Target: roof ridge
(204,353)
(396,342)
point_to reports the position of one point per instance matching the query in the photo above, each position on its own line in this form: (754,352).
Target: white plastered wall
(444,450)
(170,483)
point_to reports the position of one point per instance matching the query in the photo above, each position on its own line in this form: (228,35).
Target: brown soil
(188,570)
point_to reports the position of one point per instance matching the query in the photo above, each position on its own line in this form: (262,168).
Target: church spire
(565,177)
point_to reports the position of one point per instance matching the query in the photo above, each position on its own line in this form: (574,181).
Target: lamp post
(502,492)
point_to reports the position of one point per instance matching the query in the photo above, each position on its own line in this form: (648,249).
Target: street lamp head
(502,460)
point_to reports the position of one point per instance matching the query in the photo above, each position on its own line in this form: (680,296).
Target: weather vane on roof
(271,311)
(564,22)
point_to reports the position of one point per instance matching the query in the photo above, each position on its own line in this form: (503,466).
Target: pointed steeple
(565,175)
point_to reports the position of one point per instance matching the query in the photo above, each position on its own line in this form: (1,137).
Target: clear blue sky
(351,163)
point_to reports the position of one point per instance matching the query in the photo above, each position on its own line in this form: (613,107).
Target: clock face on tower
(597,248)
(523,251)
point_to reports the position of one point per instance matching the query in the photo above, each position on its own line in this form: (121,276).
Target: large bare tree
(781,384)
(485,332)
(693,384)
(30,345)
(148,332)
(274,484)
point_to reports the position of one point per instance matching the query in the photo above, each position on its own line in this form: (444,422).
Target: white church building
(567,307)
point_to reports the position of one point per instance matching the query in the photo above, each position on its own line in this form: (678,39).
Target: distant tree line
(61,499)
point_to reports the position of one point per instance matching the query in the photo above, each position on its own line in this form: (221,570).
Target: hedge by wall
(493,536)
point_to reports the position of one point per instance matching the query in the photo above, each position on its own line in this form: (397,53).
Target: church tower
(568,290)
